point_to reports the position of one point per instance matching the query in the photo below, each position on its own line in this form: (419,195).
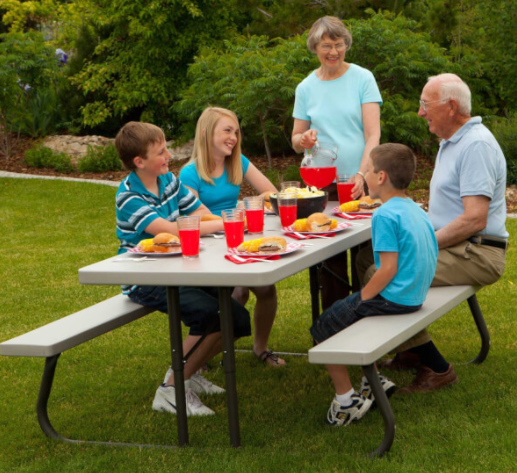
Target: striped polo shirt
(137,208)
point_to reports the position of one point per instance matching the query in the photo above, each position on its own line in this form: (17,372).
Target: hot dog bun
(272,245)
(318,222)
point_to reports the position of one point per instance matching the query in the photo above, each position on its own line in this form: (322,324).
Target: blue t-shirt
(469,163)
(334,109)
(218,196)
(401,226)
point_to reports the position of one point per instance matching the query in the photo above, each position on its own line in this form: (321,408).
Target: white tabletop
(212,269)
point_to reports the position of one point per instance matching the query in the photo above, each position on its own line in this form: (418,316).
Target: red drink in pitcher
(287,214)
(344,191)
(189,239)
(255,218)
(234,232)
(318,176)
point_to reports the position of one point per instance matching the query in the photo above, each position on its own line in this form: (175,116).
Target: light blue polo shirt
(334,109)
(469,163)
(136,207)
(401,226)
(218,196)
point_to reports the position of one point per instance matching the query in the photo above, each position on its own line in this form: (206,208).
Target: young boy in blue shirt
(405,253)
(148,202)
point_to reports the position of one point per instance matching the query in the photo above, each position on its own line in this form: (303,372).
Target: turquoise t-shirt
(218,196)
(334,109)
(401,226)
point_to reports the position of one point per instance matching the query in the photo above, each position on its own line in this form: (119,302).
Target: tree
(26,64)
(253,77)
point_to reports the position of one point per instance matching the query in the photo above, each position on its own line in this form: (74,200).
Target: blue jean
(199,308)
(348,311)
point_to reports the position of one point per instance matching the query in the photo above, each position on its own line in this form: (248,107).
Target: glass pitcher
(318,167)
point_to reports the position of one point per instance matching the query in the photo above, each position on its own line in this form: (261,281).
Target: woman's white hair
(453,88)
(328,26)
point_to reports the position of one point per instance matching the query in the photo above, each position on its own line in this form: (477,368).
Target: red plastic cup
(254,213)
(233,220)
(344,188)
(188,229)
(287,208)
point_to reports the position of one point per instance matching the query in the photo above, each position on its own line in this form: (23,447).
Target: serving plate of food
(364,206)
(316,223)
(163,244)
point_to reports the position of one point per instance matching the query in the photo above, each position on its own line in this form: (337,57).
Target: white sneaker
(366,390)
(198,384)
(201,385)
(343,416)
(165,400)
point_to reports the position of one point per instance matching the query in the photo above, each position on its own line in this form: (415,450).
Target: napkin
(236,261)
(352,217)
(307,236)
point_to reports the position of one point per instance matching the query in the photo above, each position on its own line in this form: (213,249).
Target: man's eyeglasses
(328,47)
(424,104)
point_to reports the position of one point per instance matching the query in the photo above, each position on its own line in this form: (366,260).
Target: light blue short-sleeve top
(333,108)
(469,163)
(218,196)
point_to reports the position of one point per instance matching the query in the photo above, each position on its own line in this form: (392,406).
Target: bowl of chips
(309,201)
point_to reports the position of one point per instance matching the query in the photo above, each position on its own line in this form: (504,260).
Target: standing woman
(214,174)
(338,103)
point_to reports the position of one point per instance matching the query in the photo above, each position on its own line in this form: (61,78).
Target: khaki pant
(464,263)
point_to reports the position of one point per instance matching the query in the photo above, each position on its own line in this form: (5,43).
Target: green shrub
(44,157)
(505,131)
(292,173)
(100,159)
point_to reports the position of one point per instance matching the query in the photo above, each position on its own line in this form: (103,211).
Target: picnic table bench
(369,339)
(50,340)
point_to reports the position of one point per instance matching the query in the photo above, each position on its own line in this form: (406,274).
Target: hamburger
(272,245)
(367,203)
(166,243)
(318,223)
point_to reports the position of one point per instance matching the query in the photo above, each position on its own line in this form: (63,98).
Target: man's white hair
(453,88)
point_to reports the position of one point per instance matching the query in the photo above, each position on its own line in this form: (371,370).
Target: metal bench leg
(384,406)
(482,329)
(44,394)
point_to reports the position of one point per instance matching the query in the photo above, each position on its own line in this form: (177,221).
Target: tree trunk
(266,142)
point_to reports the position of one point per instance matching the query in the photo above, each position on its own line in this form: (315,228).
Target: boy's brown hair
(397,161)
(134,139)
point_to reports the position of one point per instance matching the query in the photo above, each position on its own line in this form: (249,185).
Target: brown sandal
(269,354)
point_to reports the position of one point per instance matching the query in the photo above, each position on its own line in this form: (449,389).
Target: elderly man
(467,209)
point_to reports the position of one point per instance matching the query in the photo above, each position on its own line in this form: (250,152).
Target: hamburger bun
(318,223)
(166,243)
(210,217)
(267,201)
(272,245)
(368,203)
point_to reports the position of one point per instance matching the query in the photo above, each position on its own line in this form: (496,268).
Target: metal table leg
(384,406)
(176,338)
(226,314)
(482,329)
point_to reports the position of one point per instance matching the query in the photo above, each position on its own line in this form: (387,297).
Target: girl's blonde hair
(203,142)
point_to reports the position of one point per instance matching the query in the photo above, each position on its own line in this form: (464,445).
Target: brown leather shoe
(427,380)
(404,360)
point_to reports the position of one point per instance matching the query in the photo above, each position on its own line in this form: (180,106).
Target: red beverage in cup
(234,233)
(255,218)
(318,176)
(189,239)
(287,214)
(344,191)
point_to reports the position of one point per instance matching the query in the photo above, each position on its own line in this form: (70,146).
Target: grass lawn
(104,389)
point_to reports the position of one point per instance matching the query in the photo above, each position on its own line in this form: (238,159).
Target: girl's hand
(308,139)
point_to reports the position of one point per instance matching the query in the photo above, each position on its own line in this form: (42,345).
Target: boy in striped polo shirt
(148,202)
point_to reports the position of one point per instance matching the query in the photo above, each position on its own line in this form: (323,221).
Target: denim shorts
(199,308)
(346,312)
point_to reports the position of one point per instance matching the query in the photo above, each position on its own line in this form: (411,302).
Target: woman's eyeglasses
(328,47)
